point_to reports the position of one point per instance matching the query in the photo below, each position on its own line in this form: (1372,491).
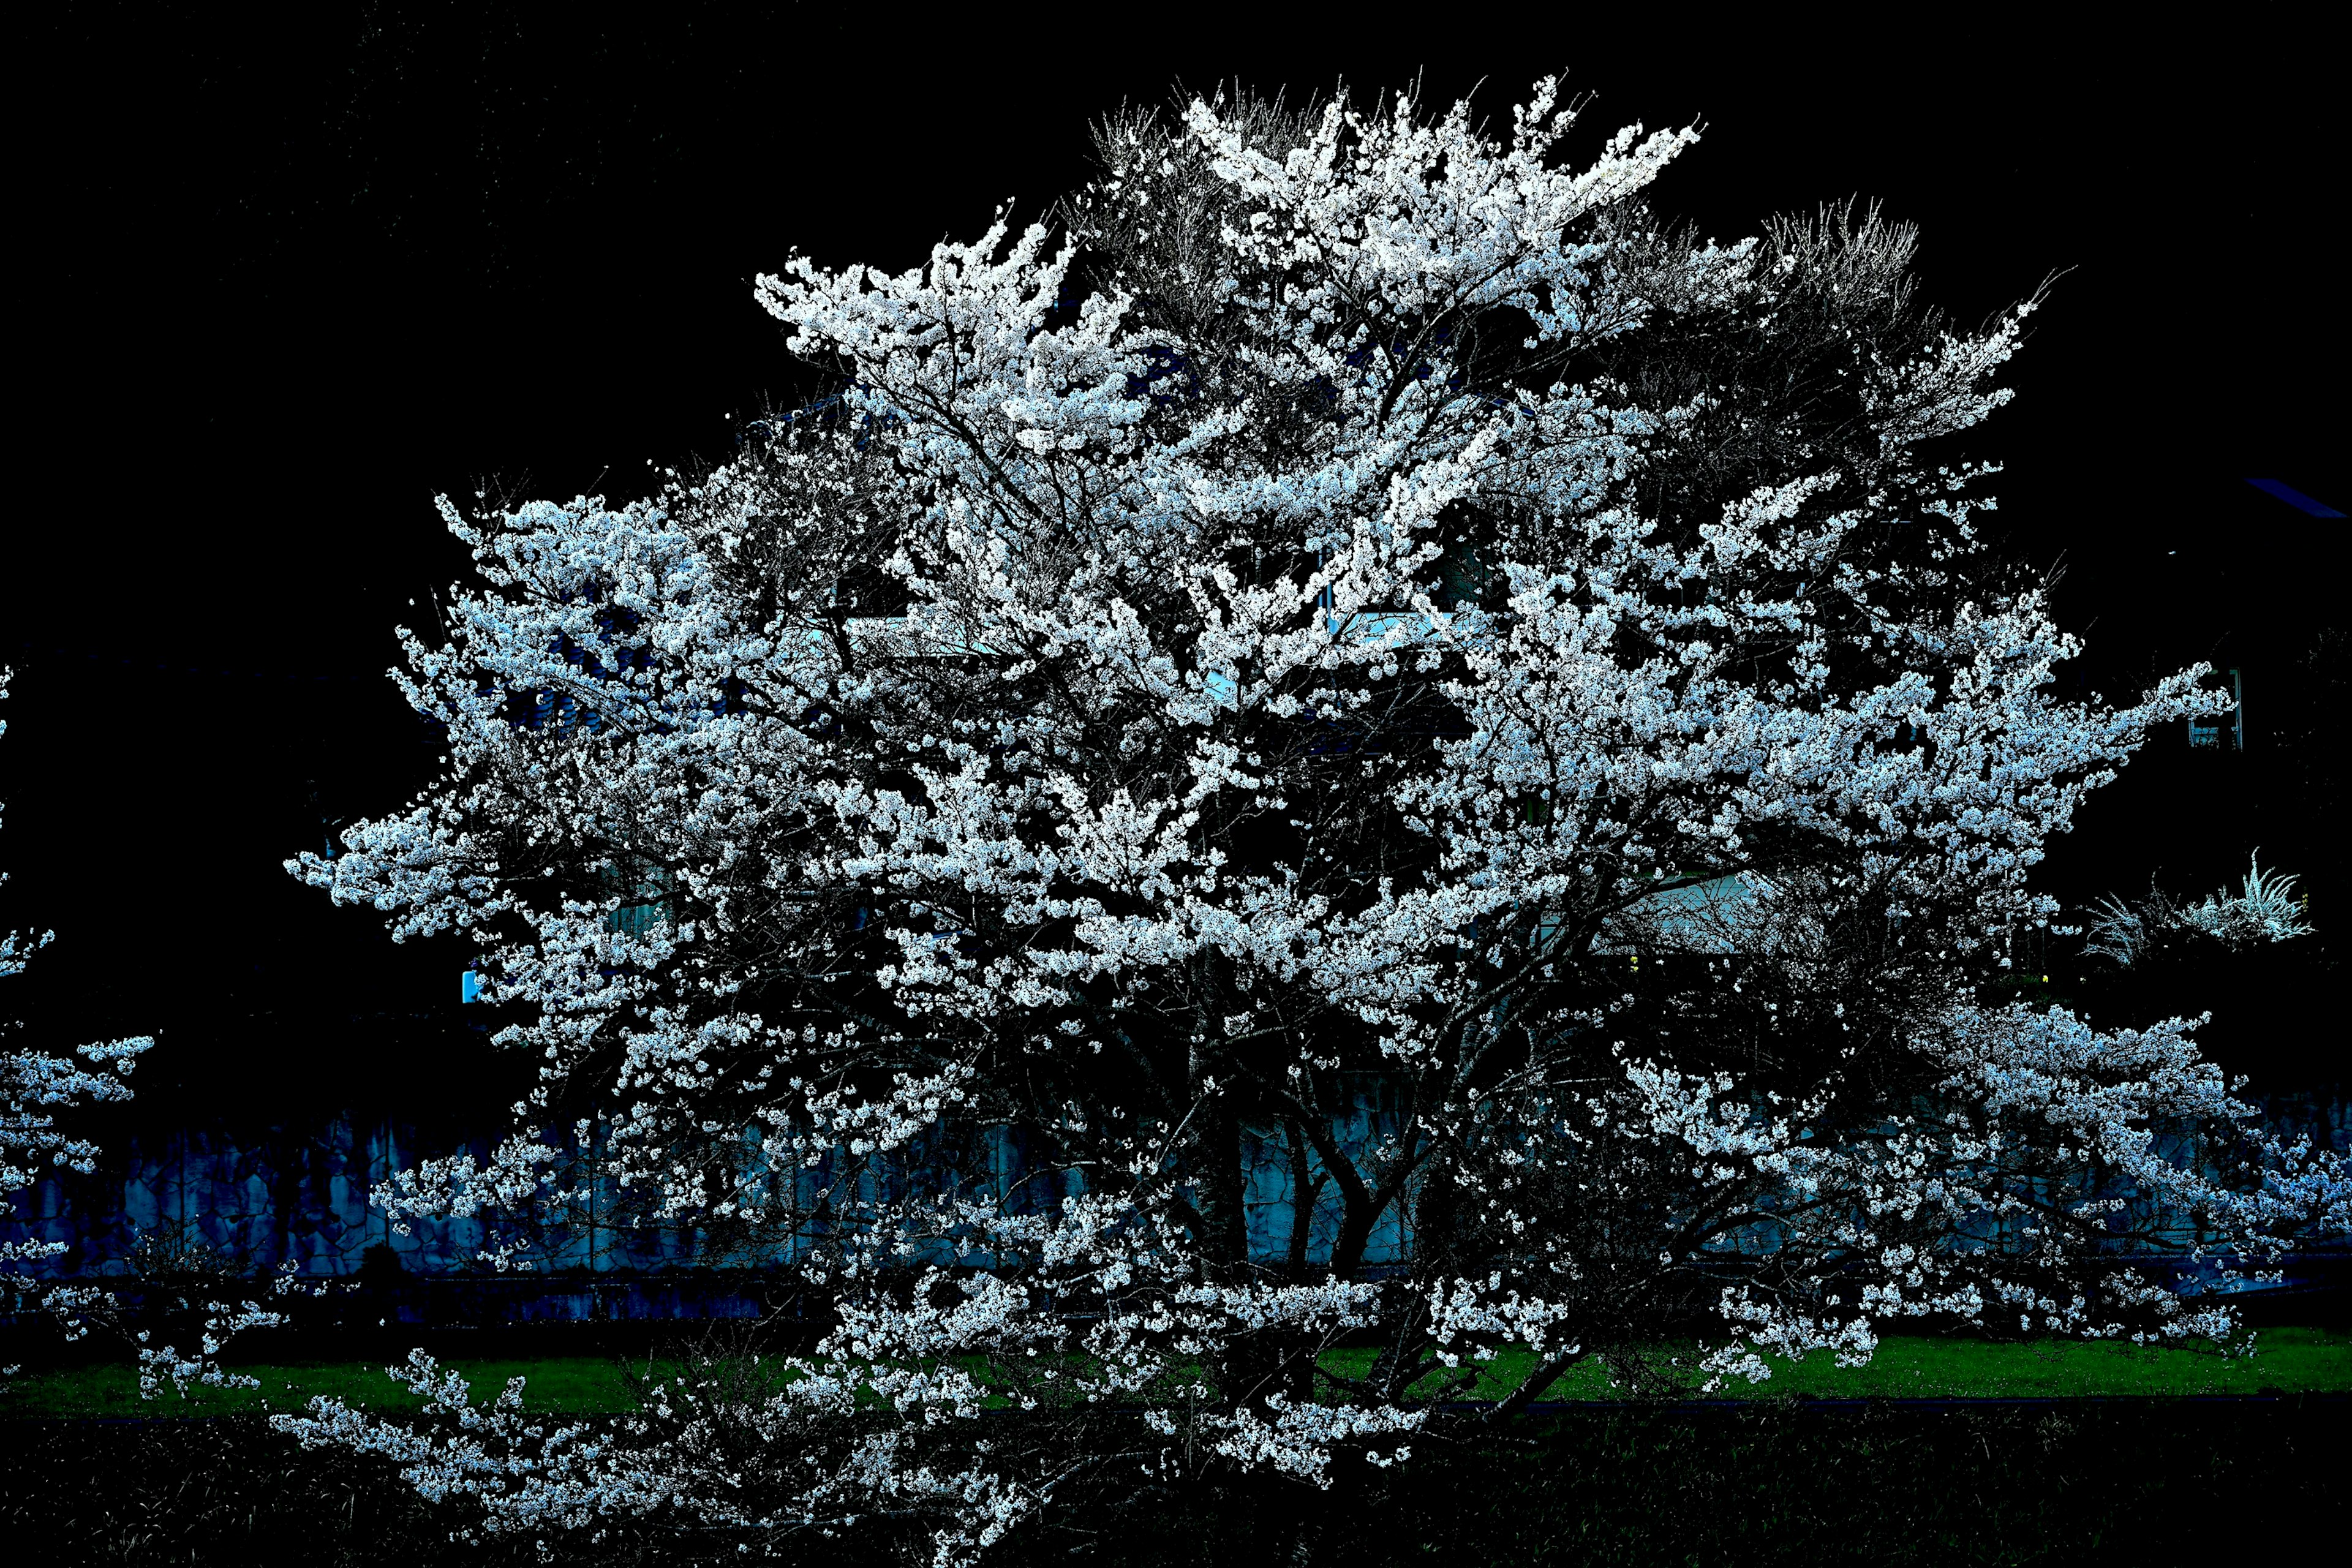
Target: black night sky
(283,277)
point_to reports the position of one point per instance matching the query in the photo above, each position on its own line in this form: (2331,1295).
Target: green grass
(2295,1360)
(2292,1361)
(566,1385)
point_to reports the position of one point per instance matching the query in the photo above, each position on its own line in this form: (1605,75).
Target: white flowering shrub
(1356,601)
(2264,910)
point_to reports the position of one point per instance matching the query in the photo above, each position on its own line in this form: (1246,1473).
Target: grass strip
(2289,1360)
(558,1385)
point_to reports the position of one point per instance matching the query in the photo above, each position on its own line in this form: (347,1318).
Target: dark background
(282,279)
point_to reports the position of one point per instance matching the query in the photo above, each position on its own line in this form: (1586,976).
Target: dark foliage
(2079,1483)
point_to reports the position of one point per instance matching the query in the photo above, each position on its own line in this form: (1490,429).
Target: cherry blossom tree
(1357,640)
(35,1086)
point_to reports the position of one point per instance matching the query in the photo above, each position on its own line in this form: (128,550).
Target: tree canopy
(1359,662)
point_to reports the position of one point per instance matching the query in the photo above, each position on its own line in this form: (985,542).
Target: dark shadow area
(2072,1483)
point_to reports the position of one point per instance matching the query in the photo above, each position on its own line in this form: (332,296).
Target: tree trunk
(1305,1187)
(1213,1163)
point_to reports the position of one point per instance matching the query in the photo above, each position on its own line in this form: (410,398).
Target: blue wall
(264,1196)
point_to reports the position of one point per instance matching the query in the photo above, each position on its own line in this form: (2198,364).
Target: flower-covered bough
(1356,601)
(37,1089)
(36,1086)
